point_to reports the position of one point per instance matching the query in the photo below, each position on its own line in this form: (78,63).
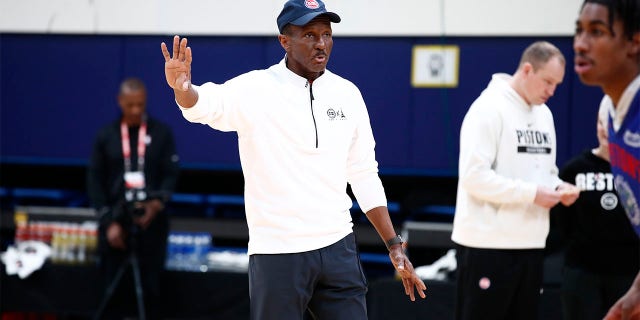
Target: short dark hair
(132,84)
(628,11)
(539,53)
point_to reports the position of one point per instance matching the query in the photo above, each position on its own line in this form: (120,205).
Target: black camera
(134,209)
(134,199)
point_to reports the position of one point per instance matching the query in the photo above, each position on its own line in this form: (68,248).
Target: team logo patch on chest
(609,201)
(333,114)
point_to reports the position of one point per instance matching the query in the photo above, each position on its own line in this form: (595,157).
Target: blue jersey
(624,149)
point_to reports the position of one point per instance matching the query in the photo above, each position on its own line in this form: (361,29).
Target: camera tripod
(130,261)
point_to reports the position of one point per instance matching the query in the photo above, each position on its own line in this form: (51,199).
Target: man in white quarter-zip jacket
(508,181)
(303,134)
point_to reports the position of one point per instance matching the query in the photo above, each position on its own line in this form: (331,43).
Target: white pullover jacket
(507,149)
(300,144)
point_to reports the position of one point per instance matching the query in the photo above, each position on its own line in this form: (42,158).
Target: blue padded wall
(56,90)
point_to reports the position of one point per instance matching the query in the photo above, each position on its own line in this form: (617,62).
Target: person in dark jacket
(132,173)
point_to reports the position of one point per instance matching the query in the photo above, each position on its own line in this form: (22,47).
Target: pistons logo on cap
(311,4)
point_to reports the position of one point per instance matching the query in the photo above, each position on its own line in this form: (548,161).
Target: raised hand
(177,69)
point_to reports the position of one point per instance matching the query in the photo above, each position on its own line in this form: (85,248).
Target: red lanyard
(126,145)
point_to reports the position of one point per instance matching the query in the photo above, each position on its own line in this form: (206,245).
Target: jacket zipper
(315,126)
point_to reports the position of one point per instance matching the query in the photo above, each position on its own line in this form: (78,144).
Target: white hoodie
(297,154)
(507,149)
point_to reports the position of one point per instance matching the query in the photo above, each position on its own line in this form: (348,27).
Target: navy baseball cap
(300,12)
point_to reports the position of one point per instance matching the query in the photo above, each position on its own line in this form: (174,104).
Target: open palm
(177,69)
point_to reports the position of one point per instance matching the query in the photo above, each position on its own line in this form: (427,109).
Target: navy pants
(326,283)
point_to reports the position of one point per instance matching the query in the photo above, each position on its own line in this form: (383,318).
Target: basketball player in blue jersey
(607,54)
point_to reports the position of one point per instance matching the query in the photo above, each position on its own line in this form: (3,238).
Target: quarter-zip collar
(302,82)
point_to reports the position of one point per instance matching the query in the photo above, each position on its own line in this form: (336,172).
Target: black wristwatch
(395,240)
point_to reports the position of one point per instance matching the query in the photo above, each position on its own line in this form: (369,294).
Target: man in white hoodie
(303,134)
(508,181)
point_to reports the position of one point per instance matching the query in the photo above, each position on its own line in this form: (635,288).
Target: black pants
(498,284)
(587,295)
(151,251)
(327,283)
